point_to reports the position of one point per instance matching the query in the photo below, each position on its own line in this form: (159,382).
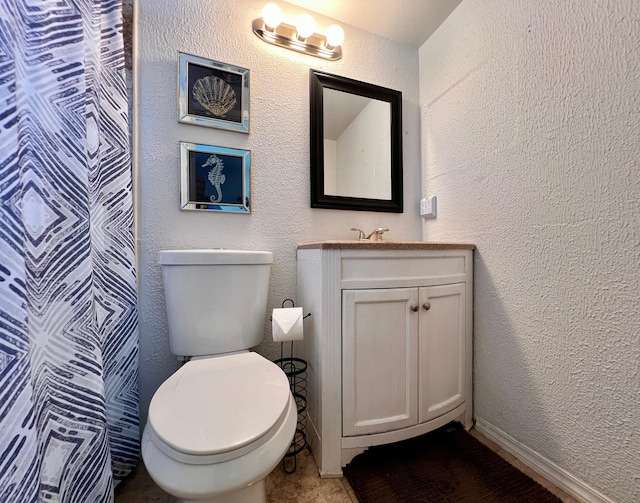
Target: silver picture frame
(213,94)
(215,178)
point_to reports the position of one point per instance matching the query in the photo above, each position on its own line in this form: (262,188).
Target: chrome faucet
(376,235)
(360,234)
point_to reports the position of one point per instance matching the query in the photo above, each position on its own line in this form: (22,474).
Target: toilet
(221,423)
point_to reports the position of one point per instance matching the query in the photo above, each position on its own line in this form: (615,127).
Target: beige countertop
(384,245)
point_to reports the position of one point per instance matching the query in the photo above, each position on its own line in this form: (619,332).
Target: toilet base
(255,493)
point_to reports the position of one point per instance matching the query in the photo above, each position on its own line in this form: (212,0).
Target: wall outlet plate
(428,207)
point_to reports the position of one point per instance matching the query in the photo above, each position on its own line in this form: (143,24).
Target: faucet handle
(376,235)
(360,234)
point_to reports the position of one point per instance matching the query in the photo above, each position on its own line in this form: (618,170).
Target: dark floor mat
(447,465)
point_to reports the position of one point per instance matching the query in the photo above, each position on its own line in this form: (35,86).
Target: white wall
(363,153)
(330,166)
(530,121)
(279,142)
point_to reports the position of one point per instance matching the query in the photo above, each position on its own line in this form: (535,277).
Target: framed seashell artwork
(213,94)
(214,178)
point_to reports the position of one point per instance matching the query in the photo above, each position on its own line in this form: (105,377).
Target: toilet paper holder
(296,371)
(292,305)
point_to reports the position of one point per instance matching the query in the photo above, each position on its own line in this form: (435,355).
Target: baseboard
(548,469)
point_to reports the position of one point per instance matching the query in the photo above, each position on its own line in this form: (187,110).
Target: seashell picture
(213,94)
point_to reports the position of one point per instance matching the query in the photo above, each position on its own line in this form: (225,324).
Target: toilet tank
(216,299)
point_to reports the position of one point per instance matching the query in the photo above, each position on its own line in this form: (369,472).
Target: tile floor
(304,485)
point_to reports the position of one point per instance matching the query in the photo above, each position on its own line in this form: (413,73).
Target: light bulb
(271,15)
(305,26)
(335,35)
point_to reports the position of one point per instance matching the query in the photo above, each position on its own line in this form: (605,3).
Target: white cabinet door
(379,360)
(442,349)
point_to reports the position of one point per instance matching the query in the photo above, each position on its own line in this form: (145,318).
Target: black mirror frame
(321,80)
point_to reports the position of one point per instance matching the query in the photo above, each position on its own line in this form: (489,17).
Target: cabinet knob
(415,307)
(426,305)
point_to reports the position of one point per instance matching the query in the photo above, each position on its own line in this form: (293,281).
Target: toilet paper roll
(287,324)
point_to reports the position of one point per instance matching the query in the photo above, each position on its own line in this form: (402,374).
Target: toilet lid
(219,404)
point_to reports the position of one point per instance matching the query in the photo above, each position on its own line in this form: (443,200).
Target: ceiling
(406,21)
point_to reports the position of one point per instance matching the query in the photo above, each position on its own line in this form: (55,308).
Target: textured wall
(530,120)
(279,144)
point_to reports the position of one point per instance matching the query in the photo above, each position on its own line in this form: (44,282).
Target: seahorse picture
(215,178)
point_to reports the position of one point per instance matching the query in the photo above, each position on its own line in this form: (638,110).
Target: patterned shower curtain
(68,320)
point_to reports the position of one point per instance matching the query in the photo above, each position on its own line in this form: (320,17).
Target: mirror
(356,145)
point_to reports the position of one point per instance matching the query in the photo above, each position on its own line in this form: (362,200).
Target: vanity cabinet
(388,345)
(402,356)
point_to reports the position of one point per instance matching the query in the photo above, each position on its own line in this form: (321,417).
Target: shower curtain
(68,320)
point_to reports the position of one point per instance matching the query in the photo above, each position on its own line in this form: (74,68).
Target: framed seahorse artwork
(213,94)
(215,178)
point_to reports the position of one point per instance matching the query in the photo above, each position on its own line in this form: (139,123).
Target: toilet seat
(218,408)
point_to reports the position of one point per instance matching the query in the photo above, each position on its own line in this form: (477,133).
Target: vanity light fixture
(301,37)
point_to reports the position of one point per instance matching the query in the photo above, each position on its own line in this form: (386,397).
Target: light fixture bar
(286,35)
